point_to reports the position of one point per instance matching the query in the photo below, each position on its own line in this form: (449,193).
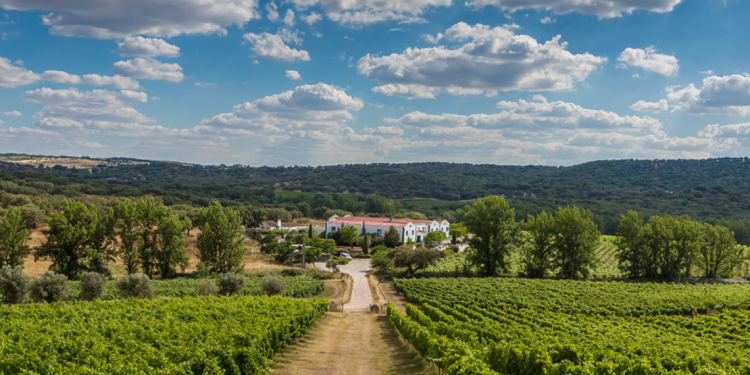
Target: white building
(412,229)
(270,224)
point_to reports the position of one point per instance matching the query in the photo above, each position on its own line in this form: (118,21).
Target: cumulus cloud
(387,131)
(649,60)
(139,46)
(371,11)
(289,18)
(273,11)
(94,105)
(643,106)
(312,18)
(293,74)
(13,113)
(149,69)
(537,117)
(134,96)
(728,95)
(600,8)
(306,108)
(57,76)
(12,75)
(490,60)
(123,18)
(114,82)
(272,47)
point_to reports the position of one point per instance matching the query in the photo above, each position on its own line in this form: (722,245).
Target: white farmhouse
(412,229)
(270,224)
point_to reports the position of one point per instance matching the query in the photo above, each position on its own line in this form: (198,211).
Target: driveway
(361,296)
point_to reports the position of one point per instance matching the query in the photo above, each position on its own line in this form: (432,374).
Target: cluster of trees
(672,247)
(281,250)
(563,244)
(145,234)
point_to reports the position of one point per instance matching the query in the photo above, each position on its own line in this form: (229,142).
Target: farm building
(407,228)
(270,224)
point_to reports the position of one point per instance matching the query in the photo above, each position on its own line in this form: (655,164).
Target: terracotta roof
(377,220)
(369,222)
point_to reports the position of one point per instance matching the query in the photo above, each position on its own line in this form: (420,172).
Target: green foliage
(13,238)
(230,283)
(93,285)
(365,240)
(149,214)
(207,288)
(496,234)
(576,238)
(414,259)
(273,285)
(170,251)
(434,238)
(276,214)
(194,335)
(69,238)
(719,254)
(349,235)
(539,253)
(332,266)
(381,260)
(49,287)
(253,217)
(127,228)
(221,242)
(391,238)
(457,230)
(14,284)
(136,285)
(523,326)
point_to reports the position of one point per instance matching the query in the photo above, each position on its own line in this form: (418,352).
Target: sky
(322,82)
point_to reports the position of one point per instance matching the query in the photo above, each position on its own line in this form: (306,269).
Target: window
(380,232)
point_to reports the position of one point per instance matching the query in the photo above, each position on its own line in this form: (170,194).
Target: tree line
(147,235)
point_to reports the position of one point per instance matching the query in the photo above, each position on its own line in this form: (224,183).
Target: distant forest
(713,190)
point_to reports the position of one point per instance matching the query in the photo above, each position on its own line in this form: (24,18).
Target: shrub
(381,260)
(100,265)
(272,285)
(93,285)
(14,284)
(136,285)
(379,248)
(291,272)
(49,287)
(363,256)
(207,288)
(230,283)
(340,260)
(333,266)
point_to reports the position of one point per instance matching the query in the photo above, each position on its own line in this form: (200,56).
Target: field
(517,326)
(205,335)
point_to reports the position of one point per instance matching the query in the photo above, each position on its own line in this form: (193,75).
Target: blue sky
(316,82)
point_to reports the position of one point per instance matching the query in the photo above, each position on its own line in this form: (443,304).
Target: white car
(345,256)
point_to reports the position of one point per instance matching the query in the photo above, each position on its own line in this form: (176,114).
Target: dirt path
(361,296)
(358,343)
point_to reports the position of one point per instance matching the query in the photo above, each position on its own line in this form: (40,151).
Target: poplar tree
(13,238)
(221,243)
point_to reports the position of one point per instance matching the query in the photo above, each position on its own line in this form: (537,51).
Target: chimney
(390,220)
(278,223)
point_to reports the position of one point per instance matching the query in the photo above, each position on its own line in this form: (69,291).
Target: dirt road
(361,296)
(358,343)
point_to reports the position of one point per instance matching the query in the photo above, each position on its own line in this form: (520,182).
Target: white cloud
(289,18)
(13,113)
(547,20)
(134,96)
(312,18)
(113,82)
(371,11)
(306,108)
(708,72)
(293,74)
(649,60)
(94,105)
(149,69)
(532,118)
(600,8)
(728,95)
(122,18)
(57,76)
(642,106)
(272,47)
(491,60)
(139,46)
(386,131)
(273,11)
(15,75)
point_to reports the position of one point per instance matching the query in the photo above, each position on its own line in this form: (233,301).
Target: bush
(291,272)
(230,283)
(49,287)
(93,285)
(14,284)
(381,260)
(363,256)
(340,260)
(333,266)
(272,285)
(207,288)
(379,248)
(100,265)
(136,285)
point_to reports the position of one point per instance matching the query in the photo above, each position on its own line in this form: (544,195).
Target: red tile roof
(377,221)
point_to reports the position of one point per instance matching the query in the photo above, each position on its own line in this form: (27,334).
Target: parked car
(345,256)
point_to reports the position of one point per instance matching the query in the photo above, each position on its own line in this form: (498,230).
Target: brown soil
(353,344)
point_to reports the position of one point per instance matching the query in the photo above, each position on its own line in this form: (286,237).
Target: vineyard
(518,326)
(203,335)
(300,286)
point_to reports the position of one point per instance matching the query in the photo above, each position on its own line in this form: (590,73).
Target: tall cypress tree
(365,240)
(310,233)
